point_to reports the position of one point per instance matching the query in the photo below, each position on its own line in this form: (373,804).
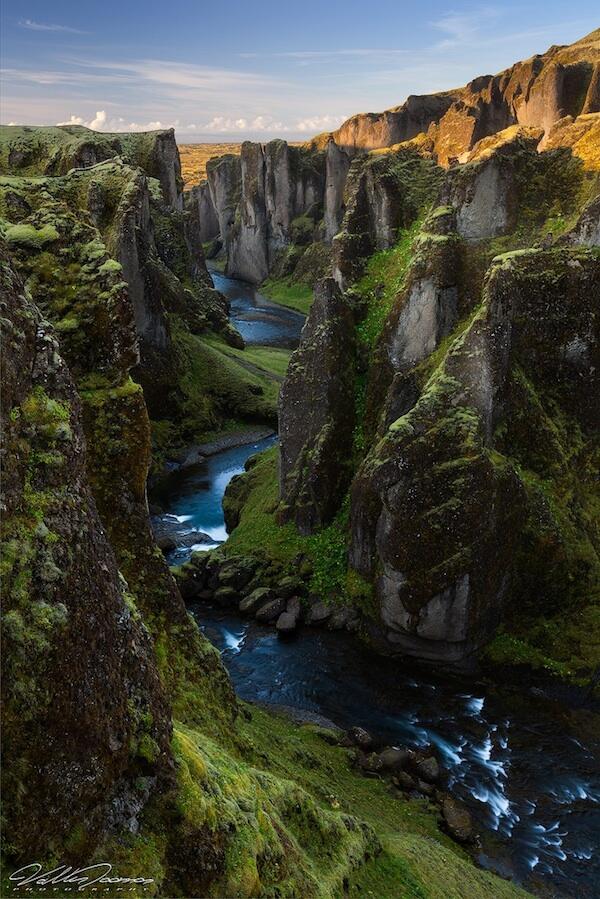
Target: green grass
(417,860)
(272,361)
(288,293)
(258,530)
(382,282)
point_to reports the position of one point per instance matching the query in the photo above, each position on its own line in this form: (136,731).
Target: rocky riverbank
(262,590)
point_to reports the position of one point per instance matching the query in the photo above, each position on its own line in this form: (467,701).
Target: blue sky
(233,70)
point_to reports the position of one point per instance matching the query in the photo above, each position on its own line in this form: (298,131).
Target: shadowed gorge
(300,548)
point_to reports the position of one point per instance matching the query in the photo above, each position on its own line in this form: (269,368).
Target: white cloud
(463,28)
(225,124)
(31,25)
(101,122)
(315,124)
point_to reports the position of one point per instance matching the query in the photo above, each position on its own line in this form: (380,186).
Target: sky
(230,71)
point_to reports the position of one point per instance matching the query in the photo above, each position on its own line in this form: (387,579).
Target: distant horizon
(270,73)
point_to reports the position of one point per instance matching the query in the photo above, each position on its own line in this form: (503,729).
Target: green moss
(258,530)
(382,282)
(111,265)
(216,389)
(28,236)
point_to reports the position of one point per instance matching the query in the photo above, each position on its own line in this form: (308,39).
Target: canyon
(433,489)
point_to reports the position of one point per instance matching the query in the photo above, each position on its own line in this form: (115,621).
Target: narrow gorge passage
(519,761)
(192,497)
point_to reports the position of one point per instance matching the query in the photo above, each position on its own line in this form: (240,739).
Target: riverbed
(526,761)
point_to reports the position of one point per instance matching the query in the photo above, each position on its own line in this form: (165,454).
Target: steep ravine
(436,496)
(522,759)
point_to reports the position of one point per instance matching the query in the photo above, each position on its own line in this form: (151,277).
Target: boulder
(226,596)
(369,763)
(393,759)
(341,618)
(458,820)
(426,788)
(259,597)
(170,533)
(428,769)
(404,781)
(358,736)
(237,572)
(287,623)
(289,586)
(318,613)
(270,611)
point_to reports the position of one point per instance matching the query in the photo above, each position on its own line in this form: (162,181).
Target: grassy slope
(417,860)
(288,293)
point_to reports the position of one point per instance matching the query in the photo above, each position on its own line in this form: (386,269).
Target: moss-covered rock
(81,691)
(317,414)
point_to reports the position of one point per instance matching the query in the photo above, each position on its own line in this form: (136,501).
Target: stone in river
(394,759)
(287,623)
(458,820)
(428,769)
(255,600)
(318,613)
(271,611)
(226,596)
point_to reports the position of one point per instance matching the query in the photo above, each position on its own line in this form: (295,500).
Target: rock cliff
(536,92)
(277,201)
(467,309)
(83,704)
(316,417)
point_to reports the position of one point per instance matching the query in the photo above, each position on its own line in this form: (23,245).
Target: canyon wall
(480,319)
(274,201)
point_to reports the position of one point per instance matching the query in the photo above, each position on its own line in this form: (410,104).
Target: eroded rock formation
(316,413)
(87,724)
(278,199)
(448,520)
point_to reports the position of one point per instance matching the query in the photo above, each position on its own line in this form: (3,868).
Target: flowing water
(258,319)
(525,761)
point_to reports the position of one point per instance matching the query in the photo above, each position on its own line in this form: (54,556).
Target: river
(525,759)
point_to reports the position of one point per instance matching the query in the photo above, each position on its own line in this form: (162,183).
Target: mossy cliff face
(384,194)
(55,151)
(81,239)
(439,511)
(465,329)
(317,413)
(82,695)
